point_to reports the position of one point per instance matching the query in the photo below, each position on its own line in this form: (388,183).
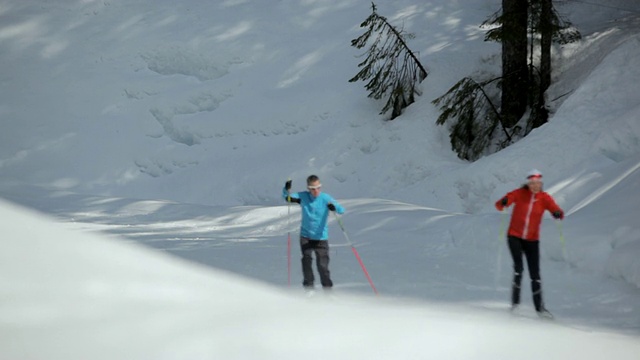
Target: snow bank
(68,295)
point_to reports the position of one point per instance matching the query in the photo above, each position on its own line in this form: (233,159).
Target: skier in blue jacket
(313,230)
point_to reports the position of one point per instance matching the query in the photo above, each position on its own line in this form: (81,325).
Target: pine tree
(476,116)
(515,71)
(390,67)
(550,27)
(523,83)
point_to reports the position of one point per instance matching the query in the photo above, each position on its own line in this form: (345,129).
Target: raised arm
(288,196)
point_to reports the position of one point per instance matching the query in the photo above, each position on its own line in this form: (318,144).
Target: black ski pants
(321,249)
(531,251)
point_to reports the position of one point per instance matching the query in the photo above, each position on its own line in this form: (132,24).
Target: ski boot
(544,314)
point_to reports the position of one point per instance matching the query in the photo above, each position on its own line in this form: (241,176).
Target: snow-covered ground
(69,295)
(175,125)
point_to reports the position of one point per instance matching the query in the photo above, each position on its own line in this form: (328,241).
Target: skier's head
(313,185)
(534,180)
(534,174)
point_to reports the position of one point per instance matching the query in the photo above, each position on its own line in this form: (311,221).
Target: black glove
(331,207)
(557,215)
(504,201)
(287,185)
(293,200)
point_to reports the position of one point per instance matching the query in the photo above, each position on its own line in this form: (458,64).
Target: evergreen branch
(390,67)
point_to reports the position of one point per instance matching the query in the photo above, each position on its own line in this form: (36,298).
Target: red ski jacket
(527,212)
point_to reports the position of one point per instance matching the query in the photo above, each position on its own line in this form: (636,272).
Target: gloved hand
(558,215)
(287,185)
(502,203)
(331,207)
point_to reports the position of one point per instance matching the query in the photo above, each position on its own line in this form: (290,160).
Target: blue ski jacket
(315,213)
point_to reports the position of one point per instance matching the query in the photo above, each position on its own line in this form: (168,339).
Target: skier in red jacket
(529,202)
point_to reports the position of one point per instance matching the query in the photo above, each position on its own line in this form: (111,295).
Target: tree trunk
(515,82)
(541,114)
(546,37)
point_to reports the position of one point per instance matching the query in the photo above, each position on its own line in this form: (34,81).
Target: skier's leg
(306,247)
(322,259)
(532,252)
(515,247)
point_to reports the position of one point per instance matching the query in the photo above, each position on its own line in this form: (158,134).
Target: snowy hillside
(217,102)
(85,297)
(175,125)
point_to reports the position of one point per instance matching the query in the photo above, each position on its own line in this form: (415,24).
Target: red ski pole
(355,252)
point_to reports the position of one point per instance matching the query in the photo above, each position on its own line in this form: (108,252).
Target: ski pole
(562,242)
(355,252)
(288,238)
(564,254)
(288,247)
(500,238)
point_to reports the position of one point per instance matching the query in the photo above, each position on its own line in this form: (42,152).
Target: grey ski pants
(321,249)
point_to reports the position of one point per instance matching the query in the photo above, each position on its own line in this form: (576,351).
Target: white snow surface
(144,145)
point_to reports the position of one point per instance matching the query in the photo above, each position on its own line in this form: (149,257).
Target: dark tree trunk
(546,37)
(515,82)
(540,115)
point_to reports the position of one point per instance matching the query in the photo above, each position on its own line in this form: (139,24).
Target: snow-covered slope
(218,102)
(80,296)
(175,125)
